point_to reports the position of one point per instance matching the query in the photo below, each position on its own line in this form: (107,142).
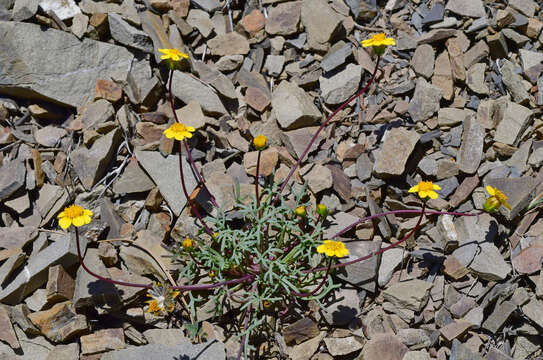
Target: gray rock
(476,53)
(187,88)
(92,292)
(471,8)
(12,178)
(499,316)
(228,44)
(471,150)
(364,167)
(460,351)
(92,164)
(534,311)
(63,9)
(336,56)
(518,39)
(128,35)
(423,59)
(527,7)
(211,76)
(513,82)
(49,136)
(532,64)
(200,20)
(425,101)
(89,61)
(64,352)
(447,186)
(341,86)
(475,79)
(398,144)
(274,64)
(489,264)
(411,294)
(165,173)
(133,180)
(390,260)
(519,192)
(539,100)
(62,251)
(97,113)
(364,273)
(342,346)
(284,19)
(318,177)
(452,116)
(515,120)
(293,107)
(24,9)
(343,308)
(321,22)
(297,140)
(428,166)
(165,336)
(213,350)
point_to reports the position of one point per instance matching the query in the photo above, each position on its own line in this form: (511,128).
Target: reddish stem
(198,175)
(341,107)
(318,287)
(245,324)
(256,184)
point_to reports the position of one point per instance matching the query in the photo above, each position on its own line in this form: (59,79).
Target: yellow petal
(79,221)
(507,205)
(62,214)
(414,189)
(367,42)
(65,222)
(190,128)
(423,194)
(490,190)
(321,249)
(436,187)
(87,219)
(87,212)
(432,195)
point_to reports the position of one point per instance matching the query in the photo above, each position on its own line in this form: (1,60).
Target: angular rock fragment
(293,107)
(398,144)
(425,100)
(60,323)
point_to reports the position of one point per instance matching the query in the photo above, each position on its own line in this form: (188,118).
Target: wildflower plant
(268,251)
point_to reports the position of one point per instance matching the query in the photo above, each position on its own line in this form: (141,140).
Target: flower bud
(322,210)
(211,274)
(492,204)
(300,211)
(259,142)
(267,304)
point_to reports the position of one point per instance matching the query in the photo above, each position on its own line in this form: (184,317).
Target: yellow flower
(379,40)
(259,142)
(333,248)
(163,299)
(211,274)
(425,189)
(322,210)
(497,198)
(300,211)
(187,243)
(74,214)
(179,131)
(172,54)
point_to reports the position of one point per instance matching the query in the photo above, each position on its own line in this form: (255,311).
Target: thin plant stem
(99,277)
(318,287)
(393,245)
(308,147)
(193,208)
(256,184)
(198,175)
(245,324)
(429,212)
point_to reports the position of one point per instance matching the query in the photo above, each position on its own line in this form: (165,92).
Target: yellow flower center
(177,127)
(153,307)
(426,186)
(379,37)
(335,246)
(259,142)
(73,211)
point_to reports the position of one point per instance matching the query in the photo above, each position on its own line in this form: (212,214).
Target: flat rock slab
(214,350)
(412,294)
(12,177)
(187,88)
(293,107)
(425,100)
(34,275)
(397,147)
(55,65)
(489,264)
(165,173)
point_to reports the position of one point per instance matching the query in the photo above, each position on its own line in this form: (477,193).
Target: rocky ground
(457,101)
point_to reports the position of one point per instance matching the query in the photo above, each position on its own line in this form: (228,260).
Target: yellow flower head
(74,214)
(425,189)
(187,243)
(378,42)
(259,142)
(179,131)
(211,274)
(497,198)
(333,248)
(300,211)
(172,54)
(163,299)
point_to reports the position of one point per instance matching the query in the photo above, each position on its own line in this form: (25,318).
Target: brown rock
(456,57)
(528,261)
(443,75)
(284,19)
(228,44)
(268,161)
(464,190)
(60,323)
(254,21)
(300,331)
(384,347)
(60,285)
(257,99)
(103,340)
(7,333)
(148,132)
(181,7)
(455,330)
(453,268)
(477,53)
(108,90)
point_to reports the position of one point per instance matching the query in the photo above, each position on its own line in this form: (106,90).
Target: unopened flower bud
(300,211)
(187,244)
(322,210)
(492,204)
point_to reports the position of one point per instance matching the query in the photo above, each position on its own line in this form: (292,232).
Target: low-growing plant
(268,250)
